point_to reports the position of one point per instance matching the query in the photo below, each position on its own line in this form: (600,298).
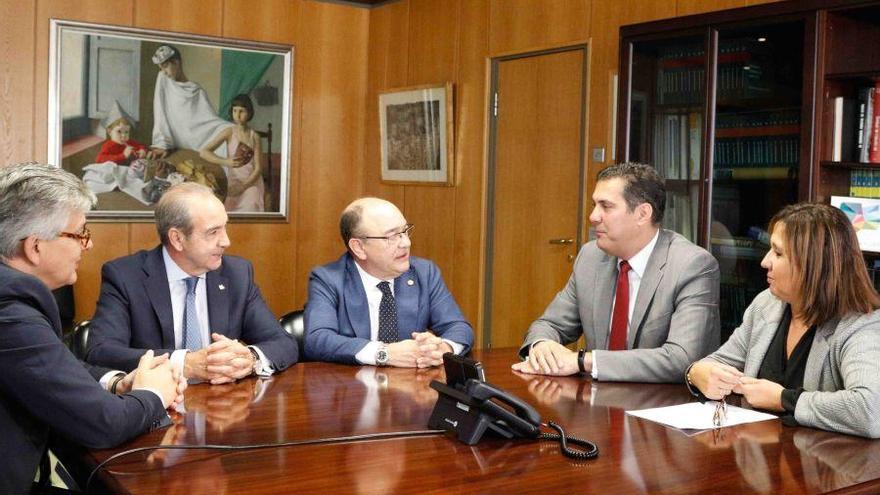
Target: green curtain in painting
(240,73)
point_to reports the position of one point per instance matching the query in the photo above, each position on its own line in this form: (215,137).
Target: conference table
(313,401)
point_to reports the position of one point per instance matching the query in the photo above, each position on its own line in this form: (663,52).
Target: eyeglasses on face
(84,237)
(396,237)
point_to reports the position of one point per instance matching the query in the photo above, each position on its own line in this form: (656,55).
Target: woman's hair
(243,101)
(824,252)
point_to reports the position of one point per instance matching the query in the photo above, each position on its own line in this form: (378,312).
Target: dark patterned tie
(387,315)
(620,318)
(192,334)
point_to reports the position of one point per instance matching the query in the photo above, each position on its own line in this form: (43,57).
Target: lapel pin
(221,287)
(410,282)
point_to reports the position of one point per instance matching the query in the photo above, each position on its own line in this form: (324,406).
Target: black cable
(316,441)
(591,451)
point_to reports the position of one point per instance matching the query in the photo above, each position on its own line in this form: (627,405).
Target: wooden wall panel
(432,50)
(332,49)
(523,25)
(387,68)
(184,16)
(16,81)
(470,118)
(688,7)
(109,241)
(274,21)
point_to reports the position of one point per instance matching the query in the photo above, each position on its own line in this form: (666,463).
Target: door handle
(561,241)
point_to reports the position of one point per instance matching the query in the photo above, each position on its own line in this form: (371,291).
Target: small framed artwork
(416,129)
(134,111)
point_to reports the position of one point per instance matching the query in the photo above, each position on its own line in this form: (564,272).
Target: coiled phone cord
(590,450)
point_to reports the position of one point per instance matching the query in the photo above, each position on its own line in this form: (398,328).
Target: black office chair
(293,324)
(79,342)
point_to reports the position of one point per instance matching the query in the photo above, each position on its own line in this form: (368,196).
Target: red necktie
(620,318)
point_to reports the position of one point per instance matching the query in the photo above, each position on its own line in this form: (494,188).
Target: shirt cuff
(456,347)
(594,371)
(367,355)
(263,367)
(177,359)
(108,377)
(790,397)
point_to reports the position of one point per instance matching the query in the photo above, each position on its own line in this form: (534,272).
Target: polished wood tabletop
(320,400)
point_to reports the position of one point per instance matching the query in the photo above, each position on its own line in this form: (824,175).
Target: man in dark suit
(45,392)
(644,298)
(185,297)
(377,304)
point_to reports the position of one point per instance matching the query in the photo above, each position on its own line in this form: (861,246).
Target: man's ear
(356,246)
(31,249)
(175,238)
(645,212)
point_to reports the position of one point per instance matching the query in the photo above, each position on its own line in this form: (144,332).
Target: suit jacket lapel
(156,285)
(356,300)
(217,290)
(606,284)
(648,286)
(818,354)
(762,339)
(406,297)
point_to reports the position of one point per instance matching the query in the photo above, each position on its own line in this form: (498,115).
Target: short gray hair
(173,209)
(38,199)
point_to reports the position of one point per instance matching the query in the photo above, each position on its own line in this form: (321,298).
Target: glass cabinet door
(667,107)
(756,153)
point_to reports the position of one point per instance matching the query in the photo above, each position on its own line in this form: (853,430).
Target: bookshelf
(747,110)
(849,145)
(717,103)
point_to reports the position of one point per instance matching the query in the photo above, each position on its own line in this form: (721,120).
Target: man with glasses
(378,305)
(45,391)
(187,298)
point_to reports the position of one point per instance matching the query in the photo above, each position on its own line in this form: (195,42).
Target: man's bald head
(353,215)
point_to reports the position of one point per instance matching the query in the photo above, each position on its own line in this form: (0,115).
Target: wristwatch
(382,355)
(256,359)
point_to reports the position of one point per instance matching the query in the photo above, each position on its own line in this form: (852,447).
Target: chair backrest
(80,341)
(293,323)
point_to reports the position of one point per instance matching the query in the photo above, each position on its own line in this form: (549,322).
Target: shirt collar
(639,262)
(173,270)
(370,281)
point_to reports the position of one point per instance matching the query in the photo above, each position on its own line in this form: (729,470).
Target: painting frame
(99,71)
(417,135)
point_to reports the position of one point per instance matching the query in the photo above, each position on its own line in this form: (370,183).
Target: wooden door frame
(489,190)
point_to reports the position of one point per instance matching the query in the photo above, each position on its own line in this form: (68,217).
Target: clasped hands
(423,350)
(224,361)
(716,380)
(158,374)
(552,358)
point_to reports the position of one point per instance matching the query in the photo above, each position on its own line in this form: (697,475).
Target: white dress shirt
(638,264)
(177,287)
(367,355)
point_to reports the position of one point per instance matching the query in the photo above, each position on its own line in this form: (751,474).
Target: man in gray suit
(645,298)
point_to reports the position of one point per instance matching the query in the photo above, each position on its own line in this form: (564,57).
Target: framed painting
(133,112)
(416,129)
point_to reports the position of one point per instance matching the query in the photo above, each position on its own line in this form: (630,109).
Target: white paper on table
(698,415)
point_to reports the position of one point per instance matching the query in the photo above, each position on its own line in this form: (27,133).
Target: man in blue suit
(185,297)
(378,305)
